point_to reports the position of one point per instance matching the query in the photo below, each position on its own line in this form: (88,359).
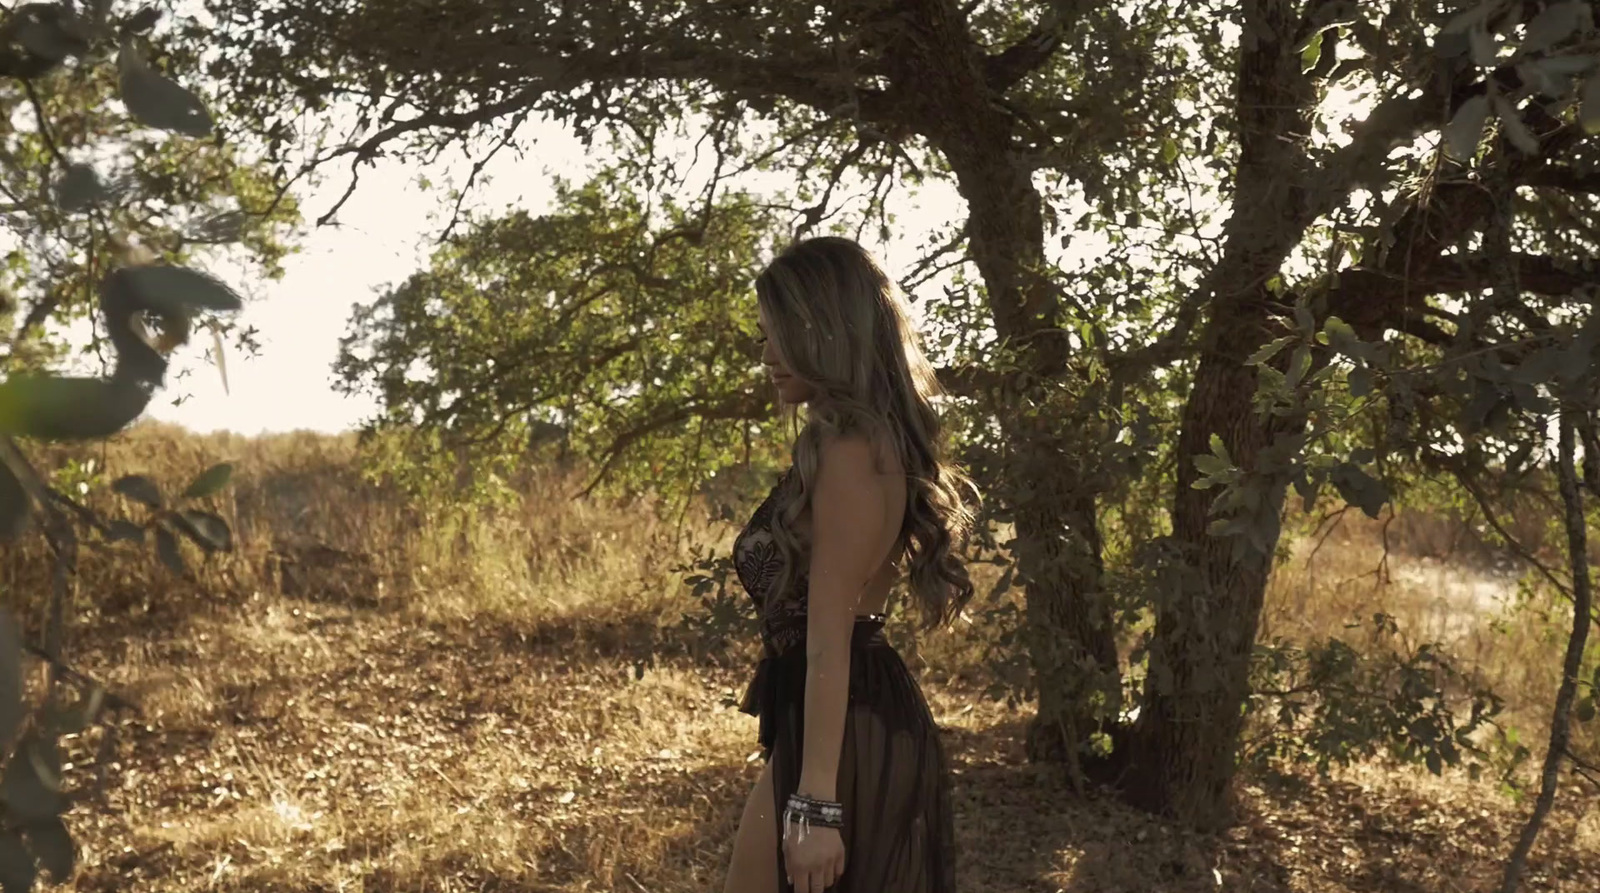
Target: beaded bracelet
(807,811)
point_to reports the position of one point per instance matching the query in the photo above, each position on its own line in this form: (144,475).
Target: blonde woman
(855,793)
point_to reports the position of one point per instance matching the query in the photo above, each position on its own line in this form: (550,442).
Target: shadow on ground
(438,694)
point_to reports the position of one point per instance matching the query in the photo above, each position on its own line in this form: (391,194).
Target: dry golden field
(363,699)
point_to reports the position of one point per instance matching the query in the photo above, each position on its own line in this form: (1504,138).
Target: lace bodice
(758,563)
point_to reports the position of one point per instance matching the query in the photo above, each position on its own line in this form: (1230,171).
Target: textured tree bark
(1184,747)
(1070,635)
(1189,724)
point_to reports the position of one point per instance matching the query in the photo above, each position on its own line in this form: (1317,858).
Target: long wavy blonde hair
(842,327)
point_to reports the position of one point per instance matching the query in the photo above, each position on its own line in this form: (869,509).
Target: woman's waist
(787,637)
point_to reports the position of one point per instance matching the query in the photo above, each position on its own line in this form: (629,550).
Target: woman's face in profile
(791,389)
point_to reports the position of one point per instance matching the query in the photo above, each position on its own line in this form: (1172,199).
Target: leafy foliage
(1334,705)
(629,329)
(1279,291)
(50,50)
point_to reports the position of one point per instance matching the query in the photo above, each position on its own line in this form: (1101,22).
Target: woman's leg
(754,868)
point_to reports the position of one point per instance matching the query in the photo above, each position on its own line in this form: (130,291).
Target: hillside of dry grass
(362,699)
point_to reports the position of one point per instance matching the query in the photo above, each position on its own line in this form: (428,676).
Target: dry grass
(506,704)
(1509,632)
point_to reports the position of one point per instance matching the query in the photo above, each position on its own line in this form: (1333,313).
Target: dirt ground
(299,746)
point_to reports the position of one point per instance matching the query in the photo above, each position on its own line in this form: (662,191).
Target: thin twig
(44,128)
(67,672)
(1560,722)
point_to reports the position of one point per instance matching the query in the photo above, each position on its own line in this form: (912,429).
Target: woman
(855,793)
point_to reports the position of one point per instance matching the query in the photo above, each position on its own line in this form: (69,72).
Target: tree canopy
(1333,243)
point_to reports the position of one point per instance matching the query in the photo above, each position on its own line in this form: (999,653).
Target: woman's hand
(813,864)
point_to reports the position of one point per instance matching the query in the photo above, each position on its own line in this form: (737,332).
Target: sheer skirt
(899,832)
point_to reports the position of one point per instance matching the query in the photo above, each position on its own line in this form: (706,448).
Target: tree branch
(968,381)
(1383,288)
(1566,693)
(1564,177)
(1004,69)
(741,405)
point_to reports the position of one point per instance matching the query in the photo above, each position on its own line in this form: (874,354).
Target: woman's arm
(847,518)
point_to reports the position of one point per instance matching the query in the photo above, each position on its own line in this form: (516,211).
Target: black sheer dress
(899,835)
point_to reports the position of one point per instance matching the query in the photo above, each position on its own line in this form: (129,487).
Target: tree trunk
(1183,749)
(1189,723)
(1057,545)
(1070,634)
(1071,638)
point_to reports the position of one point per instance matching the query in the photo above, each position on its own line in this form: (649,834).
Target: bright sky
(385,234)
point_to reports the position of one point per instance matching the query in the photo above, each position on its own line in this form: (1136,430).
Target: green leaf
(154,99)
(1552,25)
(1589,108)
(1435,764)
(1575,362)
(140,489)
(1585,710)
(209,481)
(16,506)
(1269,350)
(1304,321)
(1220,449)
(167,550)
(1461,135)
(120,530)
(51,32)
(209,531)
(1516,131)
(164,287)
(1307,489)
(1474,16)
(1299,365)
(54,847)
(17,868)
(1360,381)
(1311,54)
(12,709)
(1341,337)
(1360,489)
(1169,150)
(1210,466)
(1450,45)
(1538,367)
(1485,47)
(58,408)
(79,188)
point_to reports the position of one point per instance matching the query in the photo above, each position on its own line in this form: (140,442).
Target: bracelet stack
(808,811)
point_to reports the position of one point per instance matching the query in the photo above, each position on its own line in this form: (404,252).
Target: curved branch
(1566,178)
(750,405)
(1004,69)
